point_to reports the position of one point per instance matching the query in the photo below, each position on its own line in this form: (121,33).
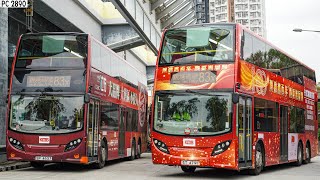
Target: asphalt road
(144,169)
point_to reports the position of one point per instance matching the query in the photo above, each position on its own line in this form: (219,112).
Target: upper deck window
(264,55)
(198,44)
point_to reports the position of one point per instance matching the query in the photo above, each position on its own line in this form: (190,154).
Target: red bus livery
(74,100)
(226,98)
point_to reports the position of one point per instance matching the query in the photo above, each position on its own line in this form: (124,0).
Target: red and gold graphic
(253,80)
(195,77)
(264,84)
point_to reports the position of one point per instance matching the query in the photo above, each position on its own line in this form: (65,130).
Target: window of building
(265,115)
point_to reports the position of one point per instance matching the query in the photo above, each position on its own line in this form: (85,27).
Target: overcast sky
(283,16)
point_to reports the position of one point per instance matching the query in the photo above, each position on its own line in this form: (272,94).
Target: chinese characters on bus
(284,90)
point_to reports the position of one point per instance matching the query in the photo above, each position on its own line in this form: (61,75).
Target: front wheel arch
(101,162)
(259,148)
(260,142)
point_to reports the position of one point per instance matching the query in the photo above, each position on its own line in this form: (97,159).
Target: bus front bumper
(204,159)
(76,156)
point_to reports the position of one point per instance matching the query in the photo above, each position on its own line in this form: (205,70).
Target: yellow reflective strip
(194,52)
(48,58)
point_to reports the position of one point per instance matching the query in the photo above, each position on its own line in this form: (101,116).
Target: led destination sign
(48,81)
(193,77)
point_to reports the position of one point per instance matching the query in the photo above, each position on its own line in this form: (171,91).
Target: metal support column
(3,78)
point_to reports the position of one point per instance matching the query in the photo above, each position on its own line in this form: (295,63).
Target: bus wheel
(188,169)
(133,150)
(139,151)
(299,155)
(308,155)
(258,161)
(103,156)
(37,165)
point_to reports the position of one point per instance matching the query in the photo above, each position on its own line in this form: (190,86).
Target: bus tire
(102,157)
(259,157)
(308,154)
(138,151)
(133,150)
(188,169)
(37,165)
(299,155)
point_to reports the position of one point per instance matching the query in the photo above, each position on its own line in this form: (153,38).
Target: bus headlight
(220,148)
(15,143)
(161,146)
(73,144)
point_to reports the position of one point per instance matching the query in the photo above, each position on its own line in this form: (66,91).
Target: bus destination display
(48,81)
(193,77)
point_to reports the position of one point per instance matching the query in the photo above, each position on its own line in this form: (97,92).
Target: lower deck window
(265,115)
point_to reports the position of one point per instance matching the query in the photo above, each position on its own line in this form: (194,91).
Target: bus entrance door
(122,132)
(92,131)
(283,133)
(244,119)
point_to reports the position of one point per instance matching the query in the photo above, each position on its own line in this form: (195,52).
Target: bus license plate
(43,158)
(190,163)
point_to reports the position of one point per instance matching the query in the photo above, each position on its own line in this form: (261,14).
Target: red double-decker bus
(74,100)
(226,98)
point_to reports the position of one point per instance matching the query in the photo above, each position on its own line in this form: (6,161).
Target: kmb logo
(189,142)
(44,139)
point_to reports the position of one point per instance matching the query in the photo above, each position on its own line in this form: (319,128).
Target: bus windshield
(37,51)
(46,114)
(204,44)
(193,113)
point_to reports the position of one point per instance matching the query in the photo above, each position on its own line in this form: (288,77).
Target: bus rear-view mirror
(235,98)
(87,98)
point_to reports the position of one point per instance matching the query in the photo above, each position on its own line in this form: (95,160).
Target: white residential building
(250,13)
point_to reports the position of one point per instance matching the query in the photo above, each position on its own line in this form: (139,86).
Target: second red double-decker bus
(74,100)
(226,98)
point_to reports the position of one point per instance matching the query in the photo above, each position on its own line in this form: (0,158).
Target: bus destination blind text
(48,81)
(193,77)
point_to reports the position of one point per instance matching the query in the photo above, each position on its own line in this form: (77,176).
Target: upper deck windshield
(46,114)
(41,50)
(198,44)
(55,63)
(193,113)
